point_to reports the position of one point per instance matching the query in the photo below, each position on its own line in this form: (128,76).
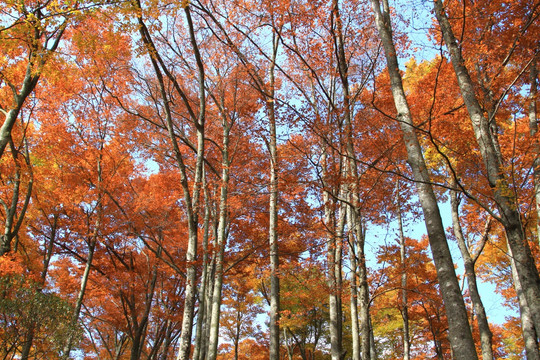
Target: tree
(460,334)
(493,162)
(191,194)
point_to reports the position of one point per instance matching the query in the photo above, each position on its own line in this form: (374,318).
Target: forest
(259,179)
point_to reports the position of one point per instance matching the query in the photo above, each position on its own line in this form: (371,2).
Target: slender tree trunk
(29,83)
(334,271)
(404,295)
(366,345)
(191,197)
(164,354)
(209,295)
(91,248)
(533,130)
(28,341)
(192,211)
(362,329)
(221,244)
(12,225)
(139,336)
(202,316)
(49,250)
(330,225)
(80,297)
(481,317)
(530,334)
(372,347)
(13,220)
(237,329)
(354,295)
(189,302)
(289,348)
(460,335)
(37,57)
(505,199)
(273,212)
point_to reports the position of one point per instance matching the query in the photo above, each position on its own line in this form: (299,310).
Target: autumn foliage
(145,146)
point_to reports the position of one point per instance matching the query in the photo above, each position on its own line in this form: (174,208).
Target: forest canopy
(246,179)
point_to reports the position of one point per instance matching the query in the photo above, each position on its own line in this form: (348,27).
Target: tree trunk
(191,200)
(29,83)
(360,329)
(80,297)
(221,244)
(404,295)
(289,348)
(504,198)
(533,130)
(334,271)
(139,336)
(202,316)
(191,197)
(91,248)
(366,345)
(530,334)
(486,335)
(354,296)
(13,221)
(273,212)
(364,317)
(209,295)
(372,347)
(460,335)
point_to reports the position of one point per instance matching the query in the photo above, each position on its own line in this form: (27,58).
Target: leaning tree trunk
(13,220)
(510,217)
(37,57)
(460,335)
(80,297)
(486,336)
